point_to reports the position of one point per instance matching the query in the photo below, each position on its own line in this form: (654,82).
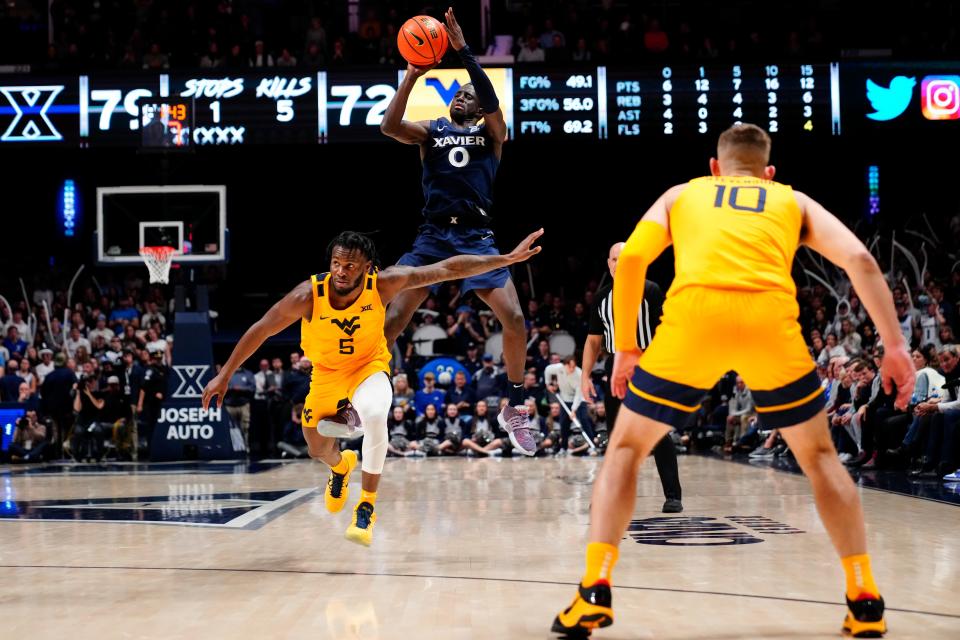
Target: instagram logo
(940,97)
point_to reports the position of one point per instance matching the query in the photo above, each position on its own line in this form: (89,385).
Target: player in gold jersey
(342,318)
(732,305)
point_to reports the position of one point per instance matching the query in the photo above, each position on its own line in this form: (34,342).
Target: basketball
(422,41)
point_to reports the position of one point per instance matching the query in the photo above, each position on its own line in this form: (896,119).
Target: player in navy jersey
(460,157)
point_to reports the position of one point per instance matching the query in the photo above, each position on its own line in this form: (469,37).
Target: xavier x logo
(31,105)
(190,376)
(445,94)
(349,327)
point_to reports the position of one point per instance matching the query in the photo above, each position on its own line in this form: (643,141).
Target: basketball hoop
(158,260)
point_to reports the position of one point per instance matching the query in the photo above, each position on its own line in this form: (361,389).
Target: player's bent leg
(505,304)
(401,310)
(612,504)
(371,399)
(341,466)
(842,514)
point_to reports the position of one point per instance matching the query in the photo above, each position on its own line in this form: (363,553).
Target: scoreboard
(210,108)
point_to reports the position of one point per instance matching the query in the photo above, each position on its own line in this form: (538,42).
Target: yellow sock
(340,467)
(368,496)
(601,557)
(859,577)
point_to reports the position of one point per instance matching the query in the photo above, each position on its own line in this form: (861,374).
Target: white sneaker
(845,457)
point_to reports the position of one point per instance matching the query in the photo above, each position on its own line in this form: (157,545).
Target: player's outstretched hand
(897,370)
(525,249)
(454,32)
(216,388)
(416,72)
(624,363)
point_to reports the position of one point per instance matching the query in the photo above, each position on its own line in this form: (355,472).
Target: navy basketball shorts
(435,243)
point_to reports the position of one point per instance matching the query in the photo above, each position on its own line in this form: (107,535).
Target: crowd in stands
(92,373)
(234,34)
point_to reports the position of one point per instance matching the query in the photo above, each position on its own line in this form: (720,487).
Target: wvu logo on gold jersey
(307,414)
(349,327)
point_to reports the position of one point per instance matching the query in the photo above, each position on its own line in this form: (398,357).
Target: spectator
(531,51)
(941,447)
(286,59)
(87,441)
(293,443)
(55,393)
(29,439)
(153,315)
(296,383)
(243,386)
(117,417)
(402,433)
(931,319)
(550,37)
(461,396)
(484,438)
(316,35)
(235,58)
(313,58)
(212,58)
(403,396)
(46,365)
(10,383)
(472,363)
(428,395)
(125,311)
(466,329)
(850,340)
(535,425)
(101,330)
(488,383)
(567,376)
(23,328)
(263,380)
(532,389)
(453,431)
(582,52)
(557,53)
(742,410)
(655,39)
(831,350)
(429,429)
(13,343)
(153,390)
(260,59)
(155,59)
(28,376)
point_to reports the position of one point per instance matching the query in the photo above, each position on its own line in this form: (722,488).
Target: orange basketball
(422,41)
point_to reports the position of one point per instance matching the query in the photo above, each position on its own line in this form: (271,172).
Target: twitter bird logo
(888,103)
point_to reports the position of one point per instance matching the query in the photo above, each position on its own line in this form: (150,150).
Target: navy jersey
(459,165)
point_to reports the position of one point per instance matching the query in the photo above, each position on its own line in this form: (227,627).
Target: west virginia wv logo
(349,327)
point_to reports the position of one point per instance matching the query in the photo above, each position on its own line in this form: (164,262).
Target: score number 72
(381,94)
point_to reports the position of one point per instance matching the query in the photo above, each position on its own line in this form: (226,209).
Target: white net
(158,260)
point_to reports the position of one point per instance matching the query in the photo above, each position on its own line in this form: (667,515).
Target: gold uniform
(346,346)
(732,305)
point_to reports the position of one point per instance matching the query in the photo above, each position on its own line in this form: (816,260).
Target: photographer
(29,439)
(117,415)
(87,442)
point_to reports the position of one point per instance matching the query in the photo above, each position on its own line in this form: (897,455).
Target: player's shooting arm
(393,125)
(292,307)
(647,241)
(395,279)
(486,95)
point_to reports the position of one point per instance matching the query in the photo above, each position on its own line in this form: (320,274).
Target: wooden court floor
(463,549)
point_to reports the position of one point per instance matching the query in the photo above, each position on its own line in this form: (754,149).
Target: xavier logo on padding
(349,327)
(890,102)
(191,376)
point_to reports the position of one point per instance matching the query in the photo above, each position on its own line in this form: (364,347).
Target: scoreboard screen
(557,104)
(793,99)
(799,100)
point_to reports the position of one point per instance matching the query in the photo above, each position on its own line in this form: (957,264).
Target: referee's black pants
(665,453)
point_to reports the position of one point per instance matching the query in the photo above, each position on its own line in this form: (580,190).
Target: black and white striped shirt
(601,318)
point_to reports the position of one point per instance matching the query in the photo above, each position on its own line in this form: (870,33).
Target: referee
(601,334)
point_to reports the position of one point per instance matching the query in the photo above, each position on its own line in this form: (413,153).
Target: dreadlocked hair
(355,241)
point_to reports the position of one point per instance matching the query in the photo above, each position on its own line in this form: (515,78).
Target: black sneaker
(672,505)
(865,618)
